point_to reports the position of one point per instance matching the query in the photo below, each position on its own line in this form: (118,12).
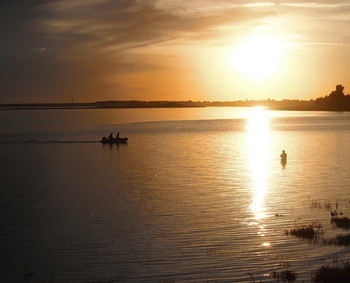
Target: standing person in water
(283,157)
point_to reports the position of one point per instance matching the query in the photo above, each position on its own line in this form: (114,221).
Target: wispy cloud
(319,4)
(99,41)
(124,22)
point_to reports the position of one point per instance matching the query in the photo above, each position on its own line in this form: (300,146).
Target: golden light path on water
(258,152)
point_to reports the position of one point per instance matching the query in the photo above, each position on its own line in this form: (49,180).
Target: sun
(258,57)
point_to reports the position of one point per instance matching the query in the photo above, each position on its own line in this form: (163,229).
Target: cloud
(318,4)
(87,46)
(129,22)
(94,41)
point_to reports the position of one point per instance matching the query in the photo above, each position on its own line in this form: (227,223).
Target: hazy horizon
(170,100)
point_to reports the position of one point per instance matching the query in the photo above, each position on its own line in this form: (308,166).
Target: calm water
(192,197)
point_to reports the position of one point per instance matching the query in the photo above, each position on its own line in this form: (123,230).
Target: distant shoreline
(98,105)
(285,104)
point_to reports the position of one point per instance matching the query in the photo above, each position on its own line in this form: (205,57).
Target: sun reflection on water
(258,151)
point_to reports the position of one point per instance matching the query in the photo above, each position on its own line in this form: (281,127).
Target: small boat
(115,140)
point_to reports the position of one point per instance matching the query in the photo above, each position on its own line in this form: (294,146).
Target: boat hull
(114,140)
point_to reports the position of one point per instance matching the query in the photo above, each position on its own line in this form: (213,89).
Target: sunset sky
(53,51)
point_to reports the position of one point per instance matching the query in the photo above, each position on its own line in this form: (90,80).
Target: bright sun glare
(258,57)
(258,133)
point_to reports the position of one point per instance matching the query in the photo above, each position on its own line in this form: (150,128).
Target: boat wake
(46,142)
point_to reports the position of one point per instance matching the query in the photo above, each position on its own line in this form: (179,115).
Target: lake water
(197,195)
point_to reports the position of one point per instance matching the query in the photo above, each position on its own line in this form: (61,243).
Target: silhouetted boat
(114,140)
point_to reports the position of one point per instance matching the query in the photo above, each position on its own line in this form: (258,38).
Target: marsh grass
(311,232)
(327,205)
(340,240)
(342,222)
(332,274)
(315,233)
(285,275)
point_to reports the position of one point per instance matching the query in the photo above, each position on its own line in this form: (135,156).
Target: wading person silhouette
(283,157)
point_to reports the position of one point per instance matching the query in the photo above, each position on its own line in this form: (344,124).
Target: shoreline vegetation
(335,101)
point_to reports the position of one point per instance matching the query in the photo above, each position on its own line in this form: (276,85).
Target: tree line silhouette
(335,101)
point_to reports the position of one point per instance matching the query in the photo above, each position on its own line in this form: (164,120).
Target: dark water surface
(193,196)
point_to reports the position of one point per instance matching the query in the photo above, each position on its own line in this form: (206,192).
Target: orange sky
(53,51)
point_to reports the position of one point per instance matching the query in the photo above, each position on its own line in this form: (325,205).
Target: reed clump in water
(340,240)
(285,275)
(311,232)
(342,222)
(332,274)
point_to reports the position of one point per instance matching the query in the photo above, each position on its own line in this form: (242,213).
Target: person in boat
(110,136)
(118,135)
(283,157)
